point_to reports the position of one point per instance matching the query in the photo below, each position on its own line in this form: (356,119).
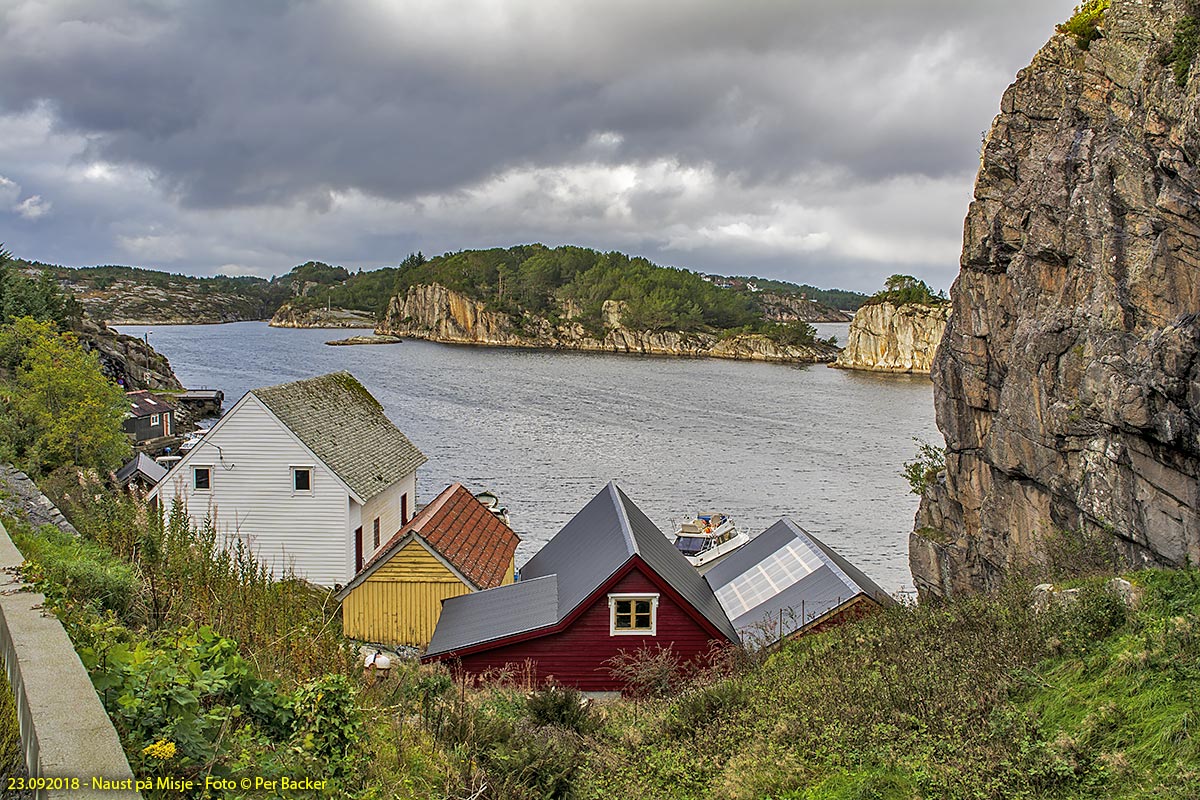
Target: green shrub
(923,469)
(560,706)
(74,571)
(1184,48)
(12,760)
(1086,23)
(328,727)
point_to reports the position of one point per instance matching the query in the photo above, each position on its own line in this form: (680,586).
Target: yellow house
(454,546)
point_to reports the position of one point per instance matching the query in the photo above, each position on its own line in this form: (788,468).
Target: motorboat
(706,537)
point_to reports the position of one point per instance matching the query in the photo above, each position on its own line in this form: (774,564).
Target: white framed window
(154,419)
(202,479)
(302,479)
(633,614)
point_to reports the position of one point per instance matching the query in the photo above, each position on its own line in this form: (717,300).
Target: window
(301,479)
(376,533)
(202,478)
(404,509)
(154,419)
(633,615)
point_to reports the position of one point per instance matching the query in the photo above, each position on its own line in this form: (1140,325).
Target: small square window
(202,478)
(154,419)
(633,615)
(301,479)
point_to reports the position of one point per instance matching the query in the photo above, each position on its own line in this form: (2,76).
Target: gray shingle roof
(598,541)
(338,419)
(787,569)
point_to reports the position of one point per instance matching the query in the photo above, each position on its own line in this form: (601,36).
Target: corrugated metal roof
(482,617)
(338,419)
(786,573)
(598,541)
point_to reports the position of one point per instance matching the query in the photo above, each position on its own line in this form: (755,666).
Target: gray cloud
(700,133)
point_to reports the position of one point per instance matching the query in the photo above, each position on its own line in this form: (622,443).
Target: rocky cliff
(890,338)
(1068,382)
(790,308)
(289,315)
(433,312)
(126,359)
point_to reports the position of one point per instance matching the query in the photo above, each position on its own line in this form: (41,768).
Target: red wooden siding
(576,655)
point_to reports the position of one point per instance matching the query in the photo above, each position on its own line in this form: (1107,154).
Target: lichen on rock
(1068,382)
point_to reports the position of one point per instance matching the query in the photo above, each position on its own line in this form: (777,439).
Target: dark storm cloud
(235,105)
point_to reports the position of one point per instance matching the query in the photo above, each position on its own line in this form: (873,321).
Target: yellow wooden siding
(511,574)
(401,602)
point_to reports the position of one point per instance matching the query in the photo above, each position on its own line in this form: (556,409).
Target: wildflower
(163,750)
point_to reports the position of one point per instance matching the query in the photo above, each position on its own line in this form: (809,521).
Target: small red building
(610,581)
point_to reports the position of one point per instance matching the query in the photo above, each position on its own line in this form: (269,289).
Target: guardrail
(65,732)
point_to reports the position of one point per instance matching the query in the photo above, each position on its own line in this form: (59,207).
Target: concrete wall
(65,731)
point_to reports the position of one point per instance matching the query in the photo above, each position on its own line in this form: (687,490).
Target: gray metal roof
(597,542)
(150,469)
(481,617)
(338,419)
(786,573)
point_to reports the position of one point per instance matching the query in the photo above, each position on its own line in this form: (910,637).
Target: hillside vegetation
(205,663)
(530,278)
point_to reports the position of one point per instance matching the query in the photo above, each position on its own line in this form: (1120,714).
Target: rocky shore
(438,314)
(288,316)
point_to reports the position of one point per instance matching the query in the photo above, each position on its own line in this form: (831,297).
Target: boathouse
(306,474)
(786,582)
(609,581)
(149,417)
(454,546)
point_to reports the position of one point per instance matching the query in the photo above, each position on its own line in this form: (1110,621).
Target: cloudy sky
(827,142)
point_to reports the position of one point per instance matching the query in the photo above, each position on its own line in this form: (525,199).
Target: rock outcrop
(1068,382)
(436,313)
(790,308)
(128,360)
(890,338)
(289,316)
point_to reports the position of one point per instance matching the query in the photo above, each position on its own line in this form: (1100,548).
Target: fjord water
(546,430)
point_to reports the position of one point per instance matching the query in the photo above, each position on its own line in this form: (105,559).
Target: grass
(973,699)
(12,761)
(1086,23)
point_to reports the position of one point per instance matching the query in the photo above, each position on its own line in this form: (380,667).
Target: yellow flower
(163,750)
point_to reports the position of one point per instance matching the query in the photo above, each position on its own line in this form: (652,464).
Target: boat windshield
(691,545)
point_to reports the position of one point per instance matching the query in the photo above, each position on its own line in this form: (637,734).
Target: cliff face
(288,316)
(789,308)
(1068,381)
(127,359)
(890,338)
(441,315)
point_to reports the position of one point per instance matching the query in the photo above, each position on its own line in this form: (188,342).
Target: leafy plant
(1086,24)
(921,470)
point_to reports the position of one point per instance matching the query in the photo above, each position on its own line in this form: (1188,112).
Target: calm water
(546,430)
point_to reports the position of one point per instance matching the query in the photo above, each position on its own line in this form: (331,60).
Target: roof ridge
(819,547)
(623,516)
(434,506)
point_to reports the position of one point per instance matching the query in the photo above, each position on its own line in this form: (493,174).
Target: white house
(311,475)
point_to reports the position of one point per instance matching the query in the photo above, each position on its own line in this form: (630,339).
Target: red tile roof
(465,533)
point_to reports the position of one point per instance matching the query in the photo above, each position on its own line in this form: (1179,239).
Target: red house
(609,581)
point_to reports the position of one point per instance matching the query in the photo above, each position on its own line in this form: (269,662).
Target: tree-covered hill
(541,280)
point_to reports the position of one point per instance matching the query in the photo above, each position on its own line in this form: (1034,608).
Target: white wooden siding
(386,506)
(307,533)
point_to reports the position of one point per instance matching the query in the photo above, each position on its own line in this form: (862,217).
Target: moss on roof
(338,419)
